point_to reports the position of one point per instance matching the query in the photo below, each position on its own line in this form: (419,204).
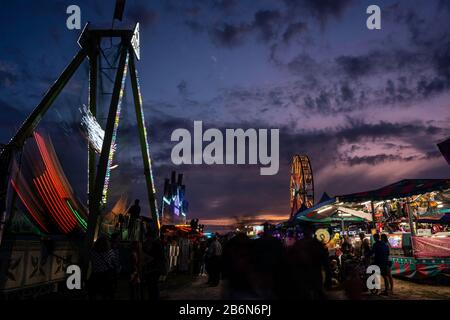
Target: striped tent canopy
(334,213)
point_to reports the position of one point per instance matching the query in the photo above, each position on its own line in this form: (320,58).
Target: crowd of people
(267,269)
(263,268)
(141,265)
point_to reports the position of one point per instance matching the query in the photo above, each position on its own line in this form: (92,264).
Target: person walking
(154,265)
(347,247)
(134,212)
(213,255)
(365,250)
(135,272)
(307,258)
(101,280)
(384,238)
(116,263)
(380,251)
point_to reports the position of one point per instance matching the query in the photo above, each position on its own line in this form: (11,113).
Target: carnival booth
(180,242)
(339,217)
(333,220)
(415,216)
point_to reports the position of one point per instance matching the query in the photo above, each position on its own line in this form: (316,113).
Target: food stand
(338,217)
(414,215)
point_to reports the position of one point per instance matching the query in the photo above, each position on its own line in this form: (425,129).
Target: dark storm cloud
(195,8)
(7,78)
(10,122)
(382,60)
(415,25)
(441,60)
(428,87)
(355,132)
(377,159)
(229,35)
(347,94)
(195,26)
(303,64)
(225,5)
(294,30)
(439,81)
(444,4)
(267,22)
(358,129)
(140,12)
(322,10)
(403,76)
(355,66)
(182,87)
(382,158)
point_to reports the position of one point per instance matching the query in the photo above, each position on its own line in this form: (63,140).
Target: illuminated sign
(136,43)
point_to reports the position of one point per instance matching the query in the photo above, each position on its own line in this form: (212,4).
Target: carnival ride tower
(174,206)
(100,160)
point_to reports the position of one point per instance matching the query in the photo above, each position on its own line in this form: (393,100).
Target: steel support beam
(95,205)
(93,77)
(151,193)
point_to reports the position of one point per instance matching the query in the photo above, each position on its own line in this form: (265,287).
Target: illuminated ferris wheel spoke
(301,184)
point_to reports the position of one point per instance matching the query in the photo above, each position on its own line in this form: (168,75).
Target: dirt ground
(403,290)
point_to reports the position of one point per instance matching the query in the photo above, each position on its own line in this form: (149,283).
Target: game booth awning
(332,212)
(415,214)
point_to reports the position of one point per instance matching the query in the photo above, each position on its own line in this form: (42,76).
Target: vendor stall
(336,216)
(414,215)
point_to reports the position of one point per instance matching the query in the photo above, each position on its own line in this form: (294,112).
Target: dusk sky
(367,106)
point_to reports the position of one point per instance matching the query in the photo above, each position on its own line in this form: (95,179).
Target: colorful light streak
(56,211)
(50,206)
(64,211)
(49,166)
(166,200)
(113,148)
(77,215)
(92,129)
(30,211)
(54,189)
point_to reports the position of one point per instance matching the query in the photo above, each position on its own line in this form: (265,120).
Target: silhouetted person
(116,263)
(384,239)
(134,211)
(365,250)
(237,268)
(135,276)
(381,252)
(347,257)
(268,267)
(103,271)
(197,257)
(347,247)
(214,254)
(307,257)
(154,265)
(120,223)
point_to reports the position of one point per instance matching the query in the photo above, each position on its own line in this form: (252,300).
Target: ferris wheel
(301,183)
